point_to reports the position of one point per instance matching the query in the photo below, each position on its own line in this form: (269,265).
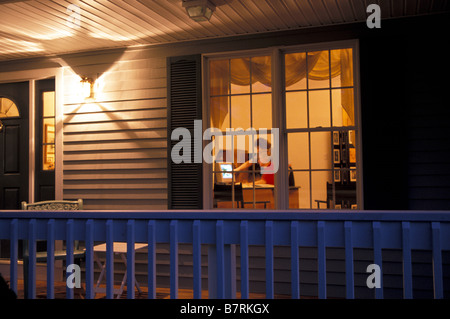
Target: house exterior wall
(115,146)
(115,149)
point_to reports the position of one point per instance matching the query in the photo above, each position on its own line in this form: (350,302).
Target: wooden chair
(41,256)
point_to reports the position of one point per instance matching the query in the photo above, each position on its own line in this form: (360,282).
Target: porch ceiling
(50,27)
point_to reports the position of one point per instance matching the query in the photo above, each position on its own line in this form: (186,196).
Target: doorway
(14,105)
(14,110)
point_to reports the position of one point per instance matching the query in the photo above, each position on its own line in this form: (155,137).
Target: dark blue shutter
(184,102)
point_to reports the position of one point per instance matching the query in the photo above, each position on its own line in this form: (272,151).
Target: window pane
(261,74)
(319,76)
(220,111)
(343,193)
(321,184)
(48,99)
(295,71)
(296,110)
(49,131)
(229,149)
(341,68)
(240,111)
(219,77)
(8,108)
(320,150)
(343,107)
(299,194)
(231,185)
(298,150)
(48,161)
(319,108)
(226,193)
(240,76)
(262,111)
(257,197)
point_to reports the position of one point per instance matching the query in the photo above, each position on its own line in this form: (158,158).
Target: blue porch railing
(222,230)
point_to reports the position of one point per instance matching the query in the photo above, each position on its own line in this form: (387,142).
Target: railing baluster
(151,229)
(69,256)
(220,274)
(407,266)
(31,262)
(89,259)
(437,260)
(378,260)
(244,260)
(269,260)
(50,259)
(385,231)
(174,259)
(14,247)
(197,259)
(349,268)
(295,263)
(130,259)
(109,260)
(321,253)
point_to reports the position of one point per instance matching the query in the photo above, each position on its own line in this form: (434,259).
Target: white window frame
(281,195)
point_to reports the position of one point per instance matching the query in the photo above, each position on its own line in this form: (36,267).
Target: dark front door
(14,99)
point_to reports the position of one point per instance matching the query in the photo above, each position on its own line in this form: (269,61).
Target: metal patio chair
(41,256)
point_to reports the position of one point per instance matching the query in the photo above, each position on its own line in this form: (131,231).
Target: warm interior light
(199,10)
(87,88)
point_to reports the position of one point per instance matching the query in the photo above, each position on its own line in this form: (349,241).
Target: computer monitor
(226,169)
(224,175)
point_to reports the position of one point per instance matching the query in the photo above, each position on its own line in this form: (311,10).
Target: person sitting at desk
(263,165)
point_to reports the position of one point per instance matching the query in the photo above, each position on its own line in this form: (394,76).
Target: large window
(241,109)
(320,127)
(312,109)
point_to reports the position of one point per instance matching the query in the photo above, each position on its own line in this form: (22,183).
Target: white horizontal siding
(115,147)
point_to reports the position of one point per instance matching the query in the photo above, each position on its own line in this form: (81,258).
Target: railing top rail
(344,215)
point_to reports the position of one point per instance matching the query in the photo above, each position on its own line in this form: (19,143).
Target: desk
(119,248)
(263,193)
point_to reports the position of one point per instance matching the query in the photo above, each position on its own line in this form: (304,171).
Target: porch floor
(161,293)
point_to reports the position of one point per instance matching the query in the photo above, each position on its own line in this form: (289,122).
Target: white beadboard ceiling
(50,27)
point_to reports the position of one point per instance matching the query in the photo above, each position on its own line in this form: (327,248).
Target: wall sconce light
(87,87)
(199,10)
